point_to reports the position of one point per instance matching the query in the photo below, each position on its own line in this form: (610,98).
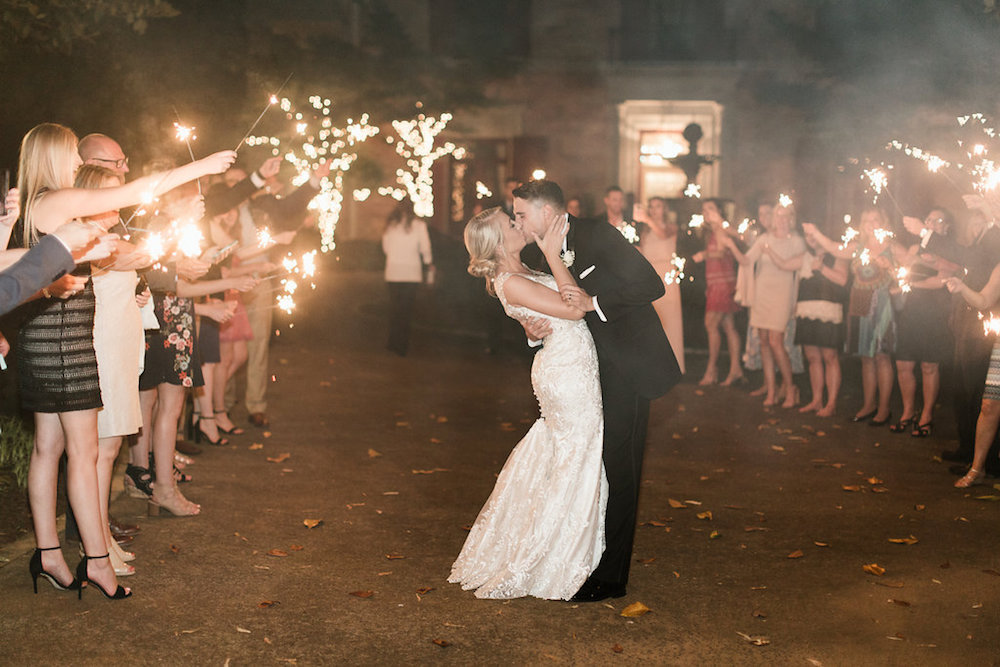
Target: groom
(616,288)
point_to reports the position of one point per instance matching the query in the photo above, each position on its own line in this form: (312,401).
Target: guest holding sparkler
(658,244)
(59,336)
(989,414)
(819,313)
(720,287)
(924,335)
(773,298)
(286,215)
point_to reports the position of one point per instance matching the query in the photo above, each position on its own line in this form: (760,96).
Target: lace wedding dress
(541,533)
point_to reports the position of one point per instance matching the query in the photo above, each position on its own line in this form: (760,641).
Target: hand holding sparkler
(191,268)
(66,286)
(269,168)
(220,311)
(100,248)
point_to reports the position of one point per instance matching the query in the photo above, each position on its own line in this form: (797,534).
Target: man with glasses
(102,151)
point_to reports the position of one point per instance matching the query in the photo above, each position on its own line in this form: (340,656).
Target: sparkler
(629,232)
(692,190)
(784,200)
(849,235)
(186,134)
(902,273)
(482,191)
(676,273)
(271,101)
(743,226)
(264,238)
(416,147)
(189,239)
(991,324)
(697,220)
(882,234)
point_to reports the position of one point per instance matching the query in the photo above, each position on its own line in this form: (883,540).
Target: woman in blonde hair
(541,533)
(58,366)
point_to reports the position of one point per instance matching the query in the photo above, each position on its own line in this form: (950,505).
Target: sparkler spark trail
(692,190)
(271,101)
(186,134)
(697,220)
(676,273)
(784,200)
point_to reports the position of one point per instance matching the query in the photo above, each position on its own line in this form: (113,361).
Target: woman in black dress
(58,367)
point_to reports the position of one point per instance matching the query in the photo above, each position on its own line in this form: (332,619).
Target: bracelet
(45,293)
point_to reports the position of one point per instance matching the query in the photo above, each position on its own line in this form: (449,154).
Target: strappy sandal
(902,425)
(921,430)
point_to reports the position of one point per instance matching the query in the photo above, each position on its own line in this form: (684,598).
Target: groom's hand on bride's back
(536,328)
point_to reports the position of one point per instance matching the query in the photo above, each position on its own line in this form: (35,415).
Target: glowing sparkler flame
(697,220)
(154,246)
(264,238)
(743,226)
(991,324)
(692,190)
(183,133)
(676,273)
(784,200)
(882,234)
(901,278)
(189,239)
(849,235)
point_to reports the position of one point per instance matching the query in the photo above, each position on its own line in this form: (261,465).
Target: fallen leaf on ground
(796,554)
(324,383)
(277,552)
(635,609)
(901,603)
(873,568)
(430,471)
(889,584)
(644,561)
(751,529)
(993,498)
(920,508)
(402,424)
(757,613)
(264,604)
(506,426)
(373,453)
(755,640)
(904,540)
(879,489)
(243,630)
(777,448)
(176,549)
(676,504)
(312,523)
(442,643)
(442,419)
(435,441)
(850,487)
(617,648)
(394,557)
(705,516)
(425,590)
(279,458)
(384,574)
(714,535)
(874,480)
(822,544)
(257,445)
(655,523)
(296,547)
(266,434)
(362,594)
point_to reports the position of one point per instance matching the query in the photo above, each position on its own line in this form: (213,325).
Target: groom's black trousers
(626,417)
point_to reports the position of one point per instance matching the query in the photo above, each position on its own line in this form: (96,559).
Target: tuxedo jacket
(626,330)
(45,263)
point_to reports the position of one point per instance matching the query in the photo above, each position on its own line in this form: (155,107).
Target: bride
(541,533)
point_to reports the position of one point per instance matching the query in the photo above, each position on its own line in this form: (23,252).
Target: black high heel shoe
(199,433)
(81,574)
(235,430)
(36,570)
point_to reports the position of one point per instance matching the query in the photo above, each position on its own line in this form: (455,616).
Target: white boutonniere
(567,257)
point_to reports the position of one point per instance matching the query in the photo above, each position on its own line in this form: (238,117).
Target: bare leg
(164,438)
(931,376)
(733,345)
(907,386)
(767,363)
(206,419)
(139,454)
(869,385)
(107,454)
(712,320)
(765,359)
(986,431)
(43,478)
(832,361)
(80,430)
(883,365)
(815,360)
(784,364)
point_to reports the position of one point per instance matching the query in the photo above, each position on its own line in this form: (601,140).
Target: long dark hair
(403,213)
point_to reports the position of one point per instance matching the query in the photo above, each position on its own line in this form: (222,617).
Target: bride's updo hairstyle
(483,238)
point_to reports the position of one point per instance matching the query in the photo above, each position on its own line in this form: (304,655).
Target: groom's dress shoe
(595,591)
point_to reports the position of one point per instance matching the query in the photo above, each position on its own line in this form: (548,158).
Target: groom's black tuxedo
(636,365)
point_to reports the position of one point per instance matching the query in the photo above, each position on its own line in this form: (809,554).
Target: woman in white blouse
(407,249)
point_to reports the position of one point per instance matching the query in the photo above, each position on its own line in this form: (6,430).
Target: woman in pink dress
(720,286)
(658,244)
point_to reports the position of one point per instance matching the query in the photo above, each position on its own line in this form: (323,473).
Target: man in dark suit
(616,286)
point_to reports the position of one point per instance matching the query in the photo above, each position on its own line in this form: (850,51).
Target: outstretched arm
(985,298)
(60,206)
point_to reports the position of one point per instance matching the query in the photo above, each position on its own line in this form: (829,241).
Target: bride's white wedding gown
(541,533)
